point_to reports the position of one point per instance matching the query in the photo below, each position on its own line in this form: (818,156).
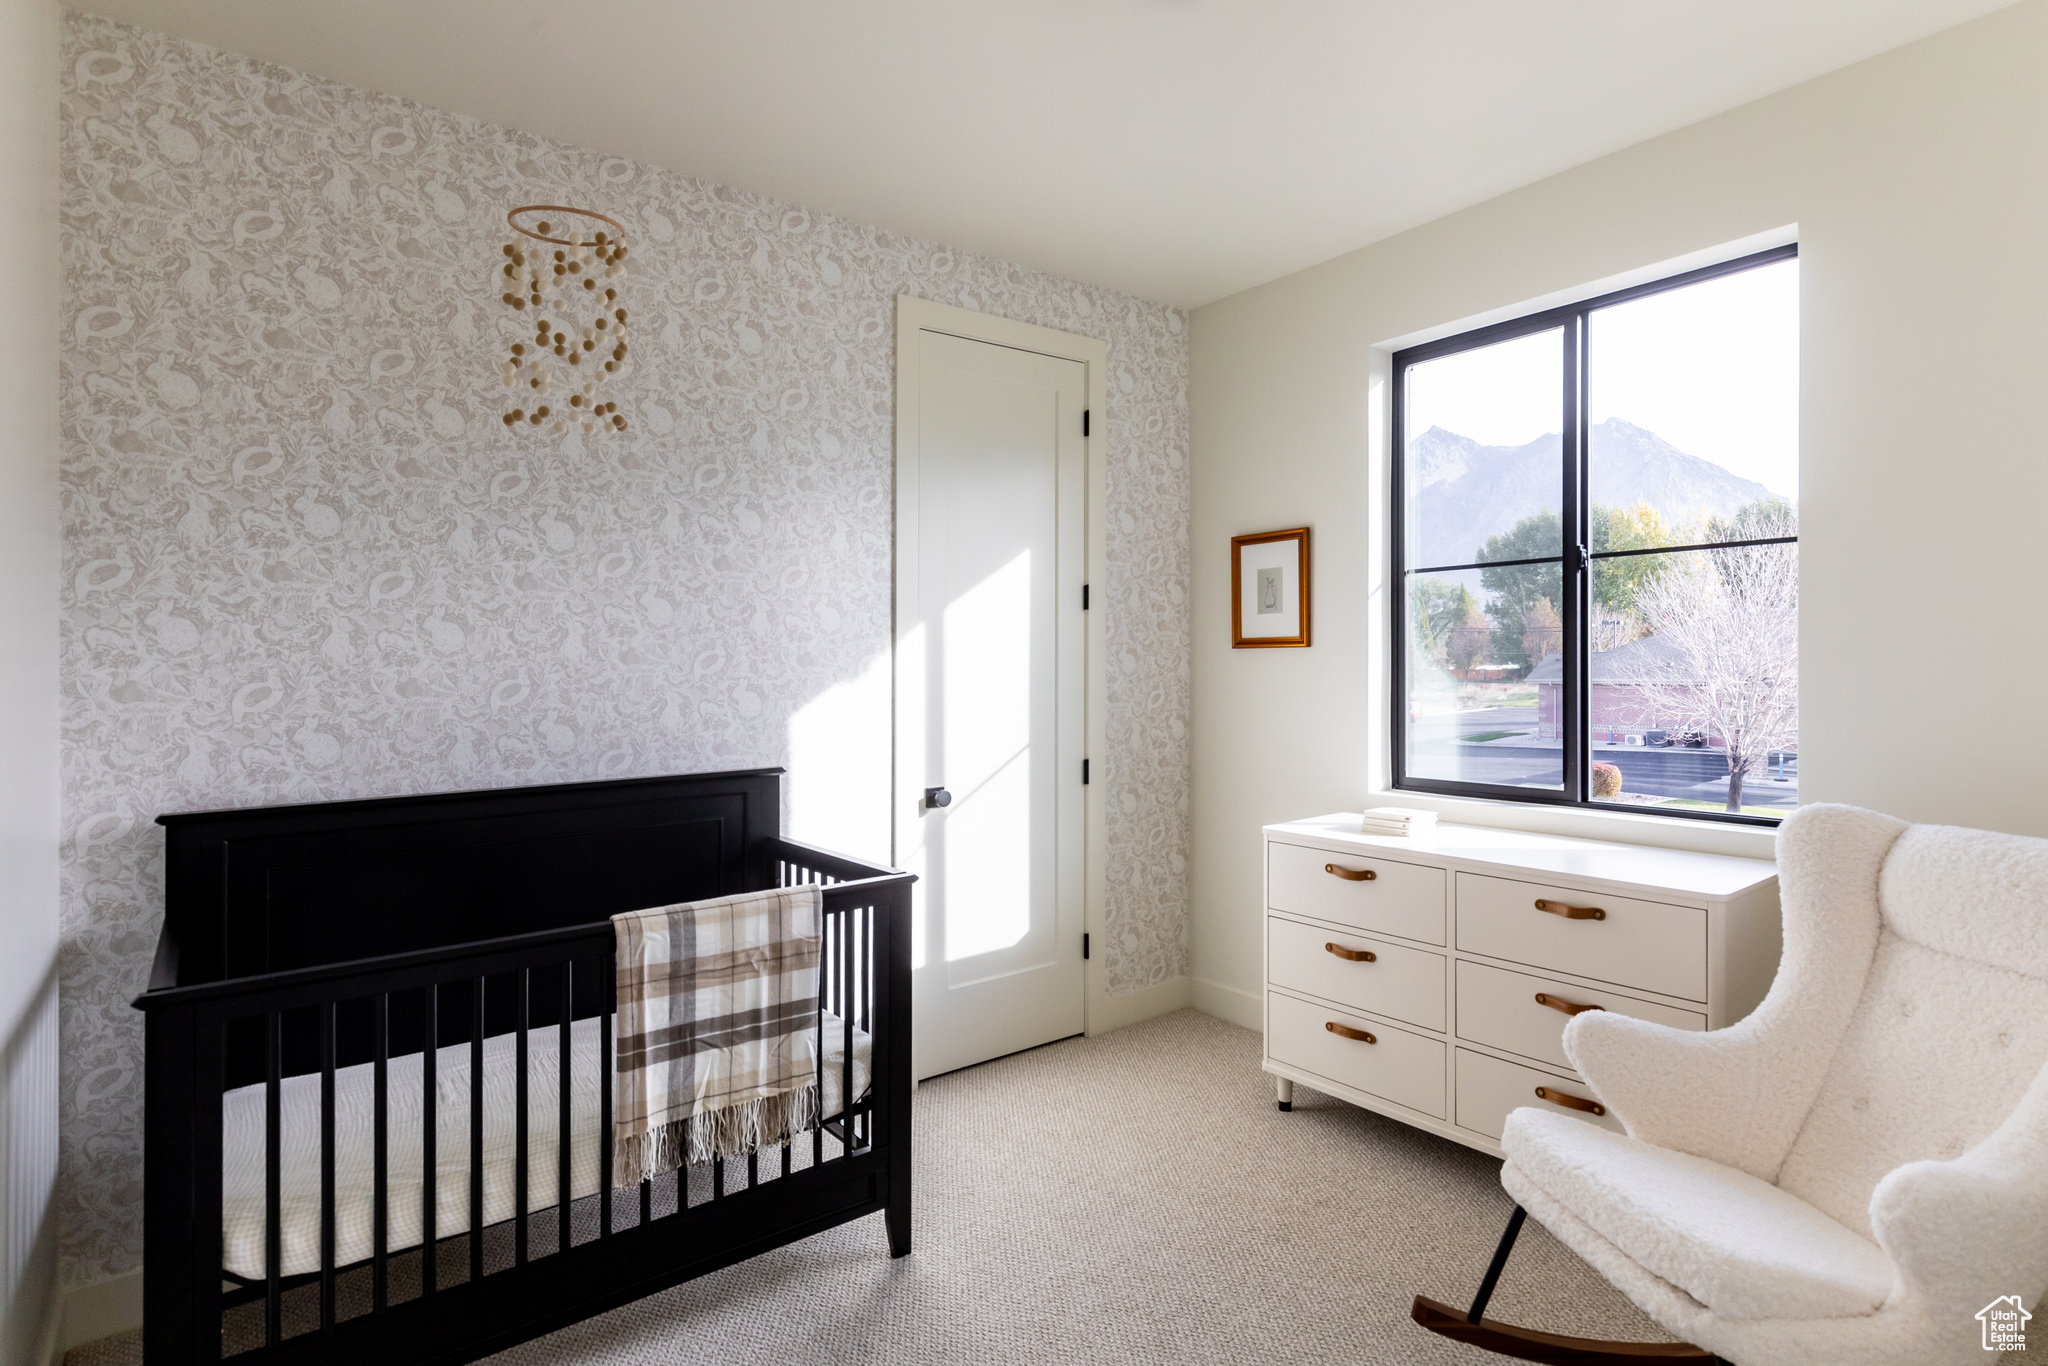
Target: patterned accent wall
(305,561)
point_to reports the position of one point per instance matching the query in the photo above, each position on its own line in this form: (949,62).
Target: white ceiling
(1177,149)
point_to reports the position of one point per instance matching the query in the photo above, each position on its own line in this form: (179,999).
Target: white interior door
(991,695)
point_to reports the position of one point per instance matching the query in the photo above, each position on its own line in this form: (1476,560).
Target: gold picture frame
(1276,614)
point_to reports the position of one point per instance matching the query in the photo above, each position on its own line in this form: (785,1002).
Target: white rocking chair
(1858,1172)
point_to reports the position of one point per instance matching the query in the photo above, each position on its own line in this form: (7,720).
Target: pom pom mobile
(566,269)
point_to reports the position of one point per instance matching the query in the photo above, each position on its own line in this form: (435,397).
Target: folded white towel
(1395,820)
(1406,815)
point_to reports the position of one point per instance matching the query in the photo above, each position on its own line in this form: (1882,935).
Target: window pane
(1694,680)
(1484,467)
(1471,717)
(1693,409)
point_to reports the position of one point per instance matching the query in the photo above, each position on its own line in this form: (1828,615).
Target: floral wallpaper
(306,561)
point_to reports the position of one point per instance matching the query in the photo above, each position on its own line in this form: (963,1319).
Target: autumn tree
(1470,638)
(1616,582)
(1542,632)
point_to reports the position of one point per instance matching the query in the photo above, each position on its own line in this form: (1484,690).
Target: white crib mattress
(243,1221)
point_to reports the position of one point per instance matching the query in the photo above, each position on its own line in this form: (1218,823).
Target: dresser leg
(1284,1092)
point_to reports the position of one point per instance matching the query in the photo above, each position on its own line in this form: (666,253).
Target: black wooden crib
(379,1068)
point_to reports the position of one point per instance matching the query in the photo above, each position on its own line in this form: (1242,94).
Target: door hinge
(1084,597)
(1084,422)
(1084,947)
(1084,773)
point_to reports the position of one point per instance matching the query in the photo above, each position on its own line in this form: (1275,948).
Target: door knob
(935,797)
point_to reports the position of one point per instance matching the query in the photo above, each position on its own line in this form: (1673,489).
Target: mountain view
(1463,492)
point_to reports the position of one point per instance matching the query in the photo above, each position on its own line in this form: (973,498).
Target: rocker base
(1526,1344)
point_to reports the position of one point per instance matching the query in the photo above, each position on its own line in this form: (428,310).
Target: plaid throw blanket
(717,1014)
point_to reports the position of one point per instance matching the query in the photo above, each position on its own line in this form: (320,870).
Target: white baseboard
(99,1310)
(1114,1012)
(1245,1008)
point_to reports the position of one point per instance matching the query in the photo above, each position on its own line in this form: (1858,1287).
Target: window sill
(1616,827)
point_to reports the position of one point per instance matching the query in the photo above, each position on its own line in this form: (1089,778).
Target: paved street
(1692,774)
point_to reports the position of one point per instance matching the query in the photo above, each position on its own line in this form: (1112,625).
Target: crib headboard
(271,888)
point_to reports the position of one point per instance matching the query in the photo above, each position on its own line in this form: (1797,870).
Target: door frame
(915,315)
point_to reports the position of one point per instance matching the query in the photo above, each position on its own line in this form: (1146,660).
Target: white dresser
(1430,977)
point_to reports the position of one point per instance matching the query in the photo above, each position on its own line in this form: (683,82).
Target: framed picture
(1269,585)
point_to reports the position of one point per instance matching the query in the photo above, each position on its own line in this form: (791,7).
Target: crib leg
(897,1218)
(1283,1090)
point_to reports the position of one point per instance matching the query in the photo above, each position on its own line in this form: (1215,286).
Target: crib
(378,1079)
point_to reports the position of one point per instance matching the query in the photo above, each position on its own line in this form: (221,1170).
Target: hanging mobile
(568,268)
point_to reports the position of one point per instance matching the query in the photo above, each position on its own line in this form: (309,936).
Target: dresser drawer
(1399,1066)
(1500,1009)
(1644,944)
(1398,898)
(1405,983)
(1488,1089)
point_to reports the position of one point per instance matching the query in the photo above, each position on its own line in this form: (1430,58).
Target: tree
(1435,607)
(1729,620)
(1641,527)
(1765,518)
(1470,638)
(1512,590)
(1542,632)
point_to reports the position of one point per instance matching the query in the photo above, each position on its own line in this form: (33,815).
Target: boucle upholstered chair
(1857,1170)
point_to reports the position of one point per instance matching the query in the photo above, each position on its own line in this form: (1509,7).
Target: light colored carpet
(1132,1198)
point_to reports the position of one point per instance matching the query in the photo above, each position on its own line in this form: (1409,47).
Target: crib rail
(555,1248)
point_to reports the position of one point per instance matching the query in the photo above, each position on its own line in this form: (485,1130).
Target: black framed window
(1595,546)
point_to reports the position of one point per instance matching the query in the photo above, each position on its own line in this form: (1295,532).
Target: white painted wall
(29,559)
(1918,182)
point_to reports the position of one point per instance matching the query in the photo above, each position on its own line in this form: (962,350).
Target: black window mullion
(1572,709)
(1397,576)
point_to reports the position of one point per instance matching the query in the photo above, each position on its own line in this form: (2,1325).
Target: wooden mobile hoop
(566,281)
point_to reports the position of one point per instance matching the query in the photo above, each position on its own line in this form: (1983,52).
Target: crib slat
(606,1005)
(818,1119)
(828,988)
(326,1165)
(520,984)
(846,1034)
(564,1139)
(476,1130)
(430,1148)
(864,983)
(380,1055)
(273,1179)
(195,1327)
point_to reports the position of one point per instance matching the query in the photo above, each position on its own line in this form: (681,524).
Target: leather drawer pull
(1350,874)
(1353,955)
(1557,1097)
(1347,1032)
(1544,998)
(1570,912)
